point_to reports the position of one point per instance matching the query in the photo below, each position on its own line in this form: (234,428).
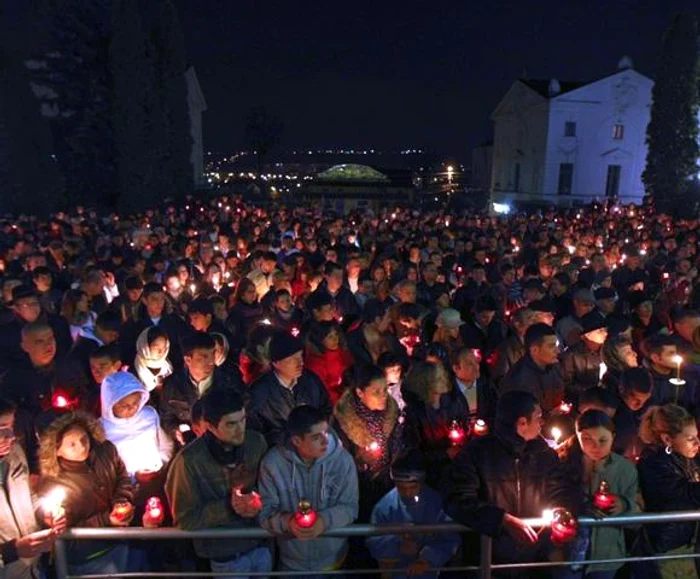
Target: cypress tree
(672,134)
(133,94)
(171,90)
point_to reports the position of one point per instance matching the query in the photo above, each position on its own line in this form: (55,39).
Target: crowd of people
(213,364)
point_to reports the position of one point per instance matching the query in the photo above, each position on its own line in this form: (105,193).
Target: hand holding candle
(480,427)
(121,514)
(246,505)
(55,514)
(456,434)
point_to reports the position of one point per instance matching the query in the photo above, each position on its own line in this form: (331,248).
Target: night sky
(401,74)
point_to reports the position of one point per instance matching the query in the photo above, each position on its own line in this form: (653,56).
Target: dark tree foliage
(133,97)
(70,65)
(29,181)
(171,98)
(672,134)
(262,133)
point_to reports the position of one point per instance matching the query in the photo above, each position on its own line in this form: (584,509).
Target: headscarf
(221,358)
(145,362)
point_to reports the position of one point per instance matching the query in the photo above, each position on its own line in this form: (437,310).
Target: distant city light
(501,208)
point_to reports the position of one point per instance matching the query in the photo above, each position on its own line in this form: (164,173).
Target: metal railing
(484,570)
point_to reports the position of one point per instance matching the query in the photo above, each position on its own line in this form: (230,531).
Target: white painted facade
(565,143)
(197,105)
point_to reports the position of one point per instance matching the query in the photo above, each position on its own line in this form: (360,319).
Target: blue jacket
(435,549)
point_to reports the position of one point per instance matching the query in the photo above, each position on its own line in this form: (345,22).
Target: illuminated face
(155,304)
(75,445)
(200,364)
(685,443)
(314,444)
(635,400)
(40,346)
(128,406)
(291,367)
(199,321)
(547,353)
(375,396)
(596,443)
(159,348)
(101,368)
(332,340)
(530,428)
(231,428)
(28,309)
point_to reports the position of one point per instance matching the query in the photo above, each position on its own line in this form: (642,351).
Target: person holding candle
(75,456)
(506,476)
(212,483)
(183,388)
(21,541)
(151,364)
(669,476)
(244,314)
(580,364)
(634,394)
(609,487)
(665,364)
(538,372)
(437,417)
(311,470)
(411,502)
(366,419)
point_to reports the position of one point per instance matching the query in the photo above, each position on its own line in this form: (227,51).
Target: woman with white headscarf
(151,364)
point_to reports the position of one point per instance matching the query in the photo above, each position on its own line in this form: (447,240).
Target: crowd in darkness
(213,364)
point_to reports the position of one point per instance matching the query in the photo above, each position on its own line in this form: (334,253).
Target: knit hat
(591,322)
(283,345)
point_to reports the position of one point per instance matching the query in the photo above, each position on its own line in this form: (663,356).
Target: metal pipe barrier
(485,568)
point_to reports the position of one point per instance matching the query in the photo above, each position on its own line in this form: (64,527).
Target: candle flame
(678,360)
(547,516)
(556,433)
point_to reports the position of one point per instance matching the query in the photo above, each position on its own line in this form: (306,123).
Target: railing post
(485,560)
(60,559)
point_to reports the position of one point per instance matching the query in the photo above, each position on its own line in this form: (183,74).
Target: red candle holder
(61,401)
(603,498)
(305,516)
(295,332)
(480,427)
(564,527)
(374,448)
(154,514)
(456,434)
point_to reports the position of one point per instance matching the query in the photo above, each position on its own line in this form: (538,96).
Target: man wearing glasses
(21,543)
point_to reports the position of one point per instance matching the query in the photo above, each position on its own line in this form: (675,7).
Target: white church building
(565,143)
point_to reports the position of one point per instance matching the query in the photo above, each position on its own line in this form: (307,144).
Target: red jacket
(329,367)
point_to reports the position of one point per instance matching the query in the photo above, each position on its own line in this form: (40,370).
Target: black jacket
(344,301)
(179,395)
(11,338)
(358,345)
(546,385)
(508,354)
(428,429)
(270,403)
(502,473)
(241,319)
(580,368)
(669,483)
(486,399)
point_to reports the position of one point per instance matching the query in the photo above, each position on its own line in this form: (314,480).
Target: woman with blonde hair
(669,476)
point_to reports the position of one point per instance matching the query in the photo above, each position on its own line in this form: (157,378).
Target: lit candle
(678,360)
(153,515)
(480,427)
(53,503)
(603,498)
(295,331)
(564,526)
(122,511)
(602,369)
(305,516)
(456,433)
(556,435)
(565,407)
(193,288)
(266,322)
(374,447)
(59,401)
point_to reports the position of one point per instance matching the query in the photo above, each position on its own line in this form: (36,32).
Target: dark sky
(389,74)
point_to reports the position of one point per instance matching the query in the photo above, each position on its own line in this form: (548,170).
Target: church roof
(541,86)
